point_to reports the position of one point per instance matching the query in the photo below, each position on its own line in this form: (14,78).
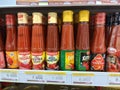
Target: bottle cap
(68,16)
(10,19)
(22,18)
(84,16)
(52,17)
(37,17)
(100,18)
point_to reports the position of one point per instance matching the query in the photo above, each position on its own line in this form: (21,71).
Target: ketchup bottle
(82,42)
(98,47)
(37,44)
(52,44)
(11,41)
(23,45)
(113,50)
(67,42)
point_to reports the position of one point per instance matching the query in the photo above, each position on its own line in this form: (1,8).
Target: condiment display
(38,42)
(52,44)
(11,41)
(82,42)
(67,42)
(23,44)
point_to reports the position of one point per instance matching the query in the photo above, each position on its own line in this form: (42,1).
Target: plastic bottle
(67,42)
(82,42)
(11,41)
(52,44)
(37,44)
(23,44)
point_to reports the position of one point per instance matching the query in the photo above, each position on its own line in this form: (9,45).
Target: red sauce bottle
(23,45)
(11,41)
(113,50)
(67,42)
(98,47)
(37,44)
(52,44)
(82,42)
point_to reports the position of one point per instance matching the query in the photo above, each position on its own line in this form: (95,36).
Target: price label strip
(114,79)
(82,78)
(9,75)
(56,77)
(34,76)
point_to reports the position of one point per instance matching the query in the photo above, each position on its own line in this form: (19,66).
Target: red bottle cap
(10,19)
(100,18)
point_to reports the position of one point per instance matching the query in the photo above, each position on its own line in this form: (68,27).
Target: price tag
(114,79)
(82,78)
(31,76)
(56,77)
(9,75)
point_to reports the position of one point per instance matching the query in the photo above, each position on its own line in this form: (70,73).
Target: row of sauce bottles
(45,47)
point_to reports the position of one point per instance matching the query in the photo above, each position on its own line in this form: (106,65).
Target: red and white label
(2,60)
(98,62)
(24,60)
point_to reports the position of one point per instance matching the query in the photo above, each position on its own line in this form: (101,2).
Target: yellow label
(68,16)
(84,16)
(12,60)
(37,17)
(69,62)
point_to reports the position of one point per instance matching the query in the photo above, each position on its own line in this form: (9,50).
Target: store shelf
(60,77)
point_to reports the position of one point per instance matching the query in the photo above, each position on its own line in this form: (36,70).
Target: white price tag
(114,79)
(34,77)
(56,77)
(82,78)
(7,75)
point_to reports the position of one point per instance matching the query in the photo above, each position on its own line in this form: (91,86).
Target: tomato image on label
(98,62)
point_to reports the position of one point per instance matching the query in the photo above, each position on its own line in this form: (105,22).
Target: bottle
(82,42)
(113,50)
(11,41)
(2,55)
(98,47)
(23,45)
(37,44)
(67,42)
(52,44)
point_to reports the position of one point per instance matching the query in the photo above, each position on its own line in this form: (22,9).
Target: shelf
(60,77)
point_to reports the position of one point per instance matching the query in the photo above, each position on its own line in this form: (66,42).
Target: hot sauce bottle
(67,42)
(52,44)
(82,42)
(2,57)
(37,44)
(98,47)
(11,41)
(23,45)
(113,50)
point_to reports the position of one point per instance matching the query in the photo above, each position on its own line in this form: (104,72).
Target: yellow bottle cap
(37,17)
(84,16)
(52,17)
(68,16)
(22,18)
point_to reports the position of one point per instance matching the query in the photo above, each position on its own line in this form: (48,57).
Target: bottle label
(2,60)
(82,60)
(52,59)
(98,62)
(67,60)
(12,60)
(38,60)
(24,60)
(113,64)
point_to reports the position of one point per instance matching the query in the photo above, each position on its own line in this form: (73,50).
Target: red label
(98,62)
(24,60)
(38,60)
(2,60)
